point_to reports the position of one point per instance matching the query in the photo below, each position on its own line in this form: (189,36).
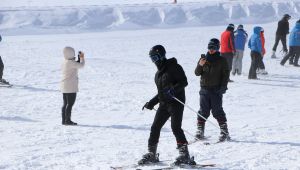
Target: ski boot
(224,135)
(150,157)
(184,156)
(200,130)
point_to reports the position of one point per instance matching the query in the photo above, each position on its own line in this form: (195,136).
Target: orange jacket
(227,42)
(262,37)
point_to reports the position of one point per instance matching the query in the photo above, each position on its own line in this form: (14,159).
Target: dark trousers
(175,111)
(1,68)
(69,100)
(292,55)
(229,58)
(281,38)
(261,64)
(254,64)
(211,100)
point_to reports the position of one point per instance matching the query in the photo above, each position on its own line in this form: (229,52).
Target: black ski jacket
(171,75)
(283,27)
(214,73)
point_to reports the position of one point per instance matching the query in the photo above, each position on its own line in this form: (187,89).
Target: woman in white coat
(69,82)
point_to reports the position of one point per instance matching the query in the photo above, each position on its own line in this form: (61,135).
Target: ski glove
(169,92)
(222,90)
(148,105)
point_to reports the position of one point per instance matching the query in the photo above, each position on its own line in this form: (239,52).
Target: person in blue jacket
(255,46)
(240,39)
(294,46)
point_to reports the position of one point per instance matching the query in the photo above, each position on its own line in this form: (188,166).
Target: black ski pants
(261,64)
(211,101)
(173,110)
(229,58)
(69,100)
(255,57)
(1,68)
(292,55)
(281,38)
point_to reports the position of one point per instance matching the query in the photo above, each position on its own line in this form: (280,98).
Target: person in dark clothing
(227,45)
(281,32)
(3,81)
(170,80)
(294,47)
(214,73)
(256,51)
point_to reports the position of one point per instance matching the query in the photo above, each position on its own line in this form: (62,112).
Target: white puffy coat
(69,81)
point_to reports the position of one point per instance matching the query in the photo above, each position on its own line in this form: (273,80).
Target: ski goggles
(155,58)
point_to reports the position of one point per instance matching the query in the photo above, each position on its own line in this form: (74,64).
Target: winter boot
(273,54)
(263,72)
(3,81)
(224,135)
(63,118)
(150,157)
(184,156)
(68,120)
(200,130)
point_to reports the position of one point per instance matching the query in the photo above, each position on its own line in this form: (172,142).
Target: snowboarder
(227,45)
(256,51)
(294,47)
(2,81)
(281,32)
(240,39)
(69,82)
(261,66)
(170,80)
(214,73)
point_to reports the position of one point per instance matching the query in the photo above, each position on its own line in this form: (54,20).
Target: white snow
(263,115)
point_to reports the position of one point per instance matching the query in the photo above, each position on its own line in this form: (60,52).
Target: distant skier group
(222,58)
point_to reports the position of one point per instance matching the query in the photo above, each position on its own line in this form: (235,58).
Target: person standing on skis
(69,82)
(214,73)
(281,32)
(171,81)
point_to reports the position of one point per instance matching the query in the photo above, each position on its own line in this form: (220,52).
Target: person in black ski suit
(170,80)
(1,69)
(214,72)
(281,32)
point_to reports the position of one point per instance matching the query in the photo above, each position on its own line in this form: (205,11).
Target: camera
(78,57)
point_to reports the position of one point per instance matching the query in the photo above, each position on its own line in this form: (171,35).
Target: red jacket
(227,42)
(262,37)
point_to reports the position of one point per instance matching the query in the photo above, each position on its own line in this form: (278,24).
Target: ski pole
(185,131)
(198,114)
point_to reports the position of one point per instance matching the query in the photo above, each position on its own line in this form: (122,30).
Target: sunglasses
(212,47)
(155,57)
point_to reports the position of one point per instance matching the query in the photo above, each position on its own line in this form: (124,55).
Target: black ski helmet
(158,49)
(286,16)
(230,27)
(214,44)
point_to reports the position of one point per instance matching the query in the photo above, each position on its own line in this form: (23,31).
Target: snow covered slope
(36,17)
(263,115)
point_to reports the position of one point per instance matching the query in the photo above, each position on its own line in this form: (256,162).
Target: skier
(214,73)
(281,32)
(294,46)
(227,45)
(261,66)
(240,39)
(2,81)
(170,80)
(256,51)
(69,82)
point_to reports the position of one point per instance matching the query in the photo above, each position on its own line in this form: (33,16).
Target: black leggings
(1,68)
(69,100)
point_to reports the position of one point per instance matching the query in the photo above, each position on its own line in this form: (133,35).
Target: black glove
(222,90)
(169,92)
(148,105)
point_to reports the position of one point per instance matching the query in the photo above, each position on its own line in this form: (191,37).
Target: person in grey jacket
(69,82)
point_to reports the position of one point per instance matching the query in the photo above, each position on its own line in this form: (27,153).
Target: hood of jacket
(257,30)
(69,53)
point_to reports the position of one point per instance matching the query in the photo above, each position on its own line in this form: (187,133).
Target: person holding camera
(214,72)
(69,82)
(170,80)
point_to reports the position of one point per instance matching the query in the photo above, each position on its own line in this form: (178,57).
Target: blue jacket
(240,38)
(295,36)
(255,41)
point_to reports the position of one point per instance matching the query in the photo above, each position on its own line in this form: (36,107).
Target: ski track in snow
(263,115)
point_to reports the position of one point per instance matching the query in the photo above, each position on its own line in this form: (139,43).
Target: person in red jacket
(261,65)
(227,46)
